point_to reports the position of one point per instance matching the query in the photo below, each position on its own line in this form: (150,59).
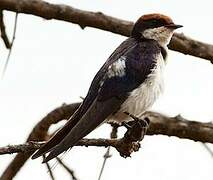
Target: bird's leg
(144,122)
(126,125)
(136,129)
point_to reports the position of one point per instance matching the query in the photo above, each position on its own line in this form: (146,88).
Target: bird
(129,82)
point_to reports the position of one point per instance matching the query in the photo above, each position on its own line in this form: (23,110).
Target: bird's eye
(154,21)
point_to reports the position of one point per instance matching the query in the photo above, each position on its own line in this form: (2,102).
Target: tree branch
(125,146)
(11,46)
(99,20)
(32,146)
(107,155)
(208,149)
(49,169)
(159,124)
(70,171)
(3,31)
(39,133)
(179,127)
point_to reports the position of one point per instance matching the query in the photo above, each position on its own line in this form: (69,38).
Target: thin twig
(11,47)
(32,146)
(49,169)
(70,171)
(113,134)
(107,154)
(82,98)
(208,149)
(23,148)
(3,31)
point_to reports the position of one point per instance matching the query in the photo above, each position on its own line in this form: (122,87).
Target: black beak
(173,26)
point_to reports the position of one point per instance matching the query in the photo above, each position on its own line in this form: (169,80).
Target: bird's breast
(143,97)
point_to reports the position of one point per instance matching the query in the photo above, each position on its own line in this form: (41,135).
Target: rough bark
(159,124)
(39,133)
(46,10)
(3,31)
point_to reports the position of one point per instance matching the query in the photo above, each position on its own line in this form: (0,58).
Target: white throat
(162,35)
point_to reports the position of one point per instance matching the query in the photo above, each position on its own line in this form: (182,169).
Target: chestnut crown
(151,21)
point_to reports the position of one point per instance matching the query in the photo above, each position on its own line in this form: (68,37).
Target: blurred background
(53,62)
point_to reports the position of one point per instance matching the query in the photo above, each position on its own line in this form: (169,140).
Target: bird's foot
(126,124)
(136,129)
(143,122)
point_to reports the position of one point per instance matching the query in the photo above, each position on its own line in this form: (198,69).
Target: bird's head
(155,26)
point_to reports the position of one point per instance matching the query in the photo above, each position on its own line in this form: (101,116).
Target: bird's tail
(95,115)
(58,137)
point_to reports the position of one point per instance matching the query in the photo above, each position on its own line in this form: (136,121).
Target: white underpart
(117,68)
(162,35)
(142,98)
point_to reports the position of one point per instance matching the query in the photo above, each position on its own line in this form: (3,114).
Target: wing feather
(91,96)
(109,89)
(95,116)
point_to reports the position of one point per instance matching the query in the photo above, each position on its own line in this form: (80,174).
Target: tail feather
(96,115)
(58,137)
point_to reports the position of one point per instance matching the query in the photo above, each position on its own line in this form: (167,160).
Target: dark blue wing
(89,99)
(99,77)
(139,62)
(125,70)
(121,76)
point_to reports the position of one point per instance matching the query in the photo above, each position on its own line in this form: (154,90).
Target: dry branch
(125,146)
(39,133)
(3,31)
(49,169)
(107,155)
(23,148)
(159,124)
(32,146)
(99,20)
(11,46)
(179,127)
(70,171)
(208,149)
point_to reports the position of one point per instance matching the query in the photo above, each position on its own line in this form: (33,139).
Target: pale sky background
(53,62)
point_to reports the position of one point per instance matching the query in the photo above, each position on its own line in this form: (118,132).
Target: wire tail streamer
(56,163)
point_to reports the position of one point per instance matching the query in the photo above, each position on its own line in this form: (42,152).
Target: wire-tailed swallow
(129,81)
